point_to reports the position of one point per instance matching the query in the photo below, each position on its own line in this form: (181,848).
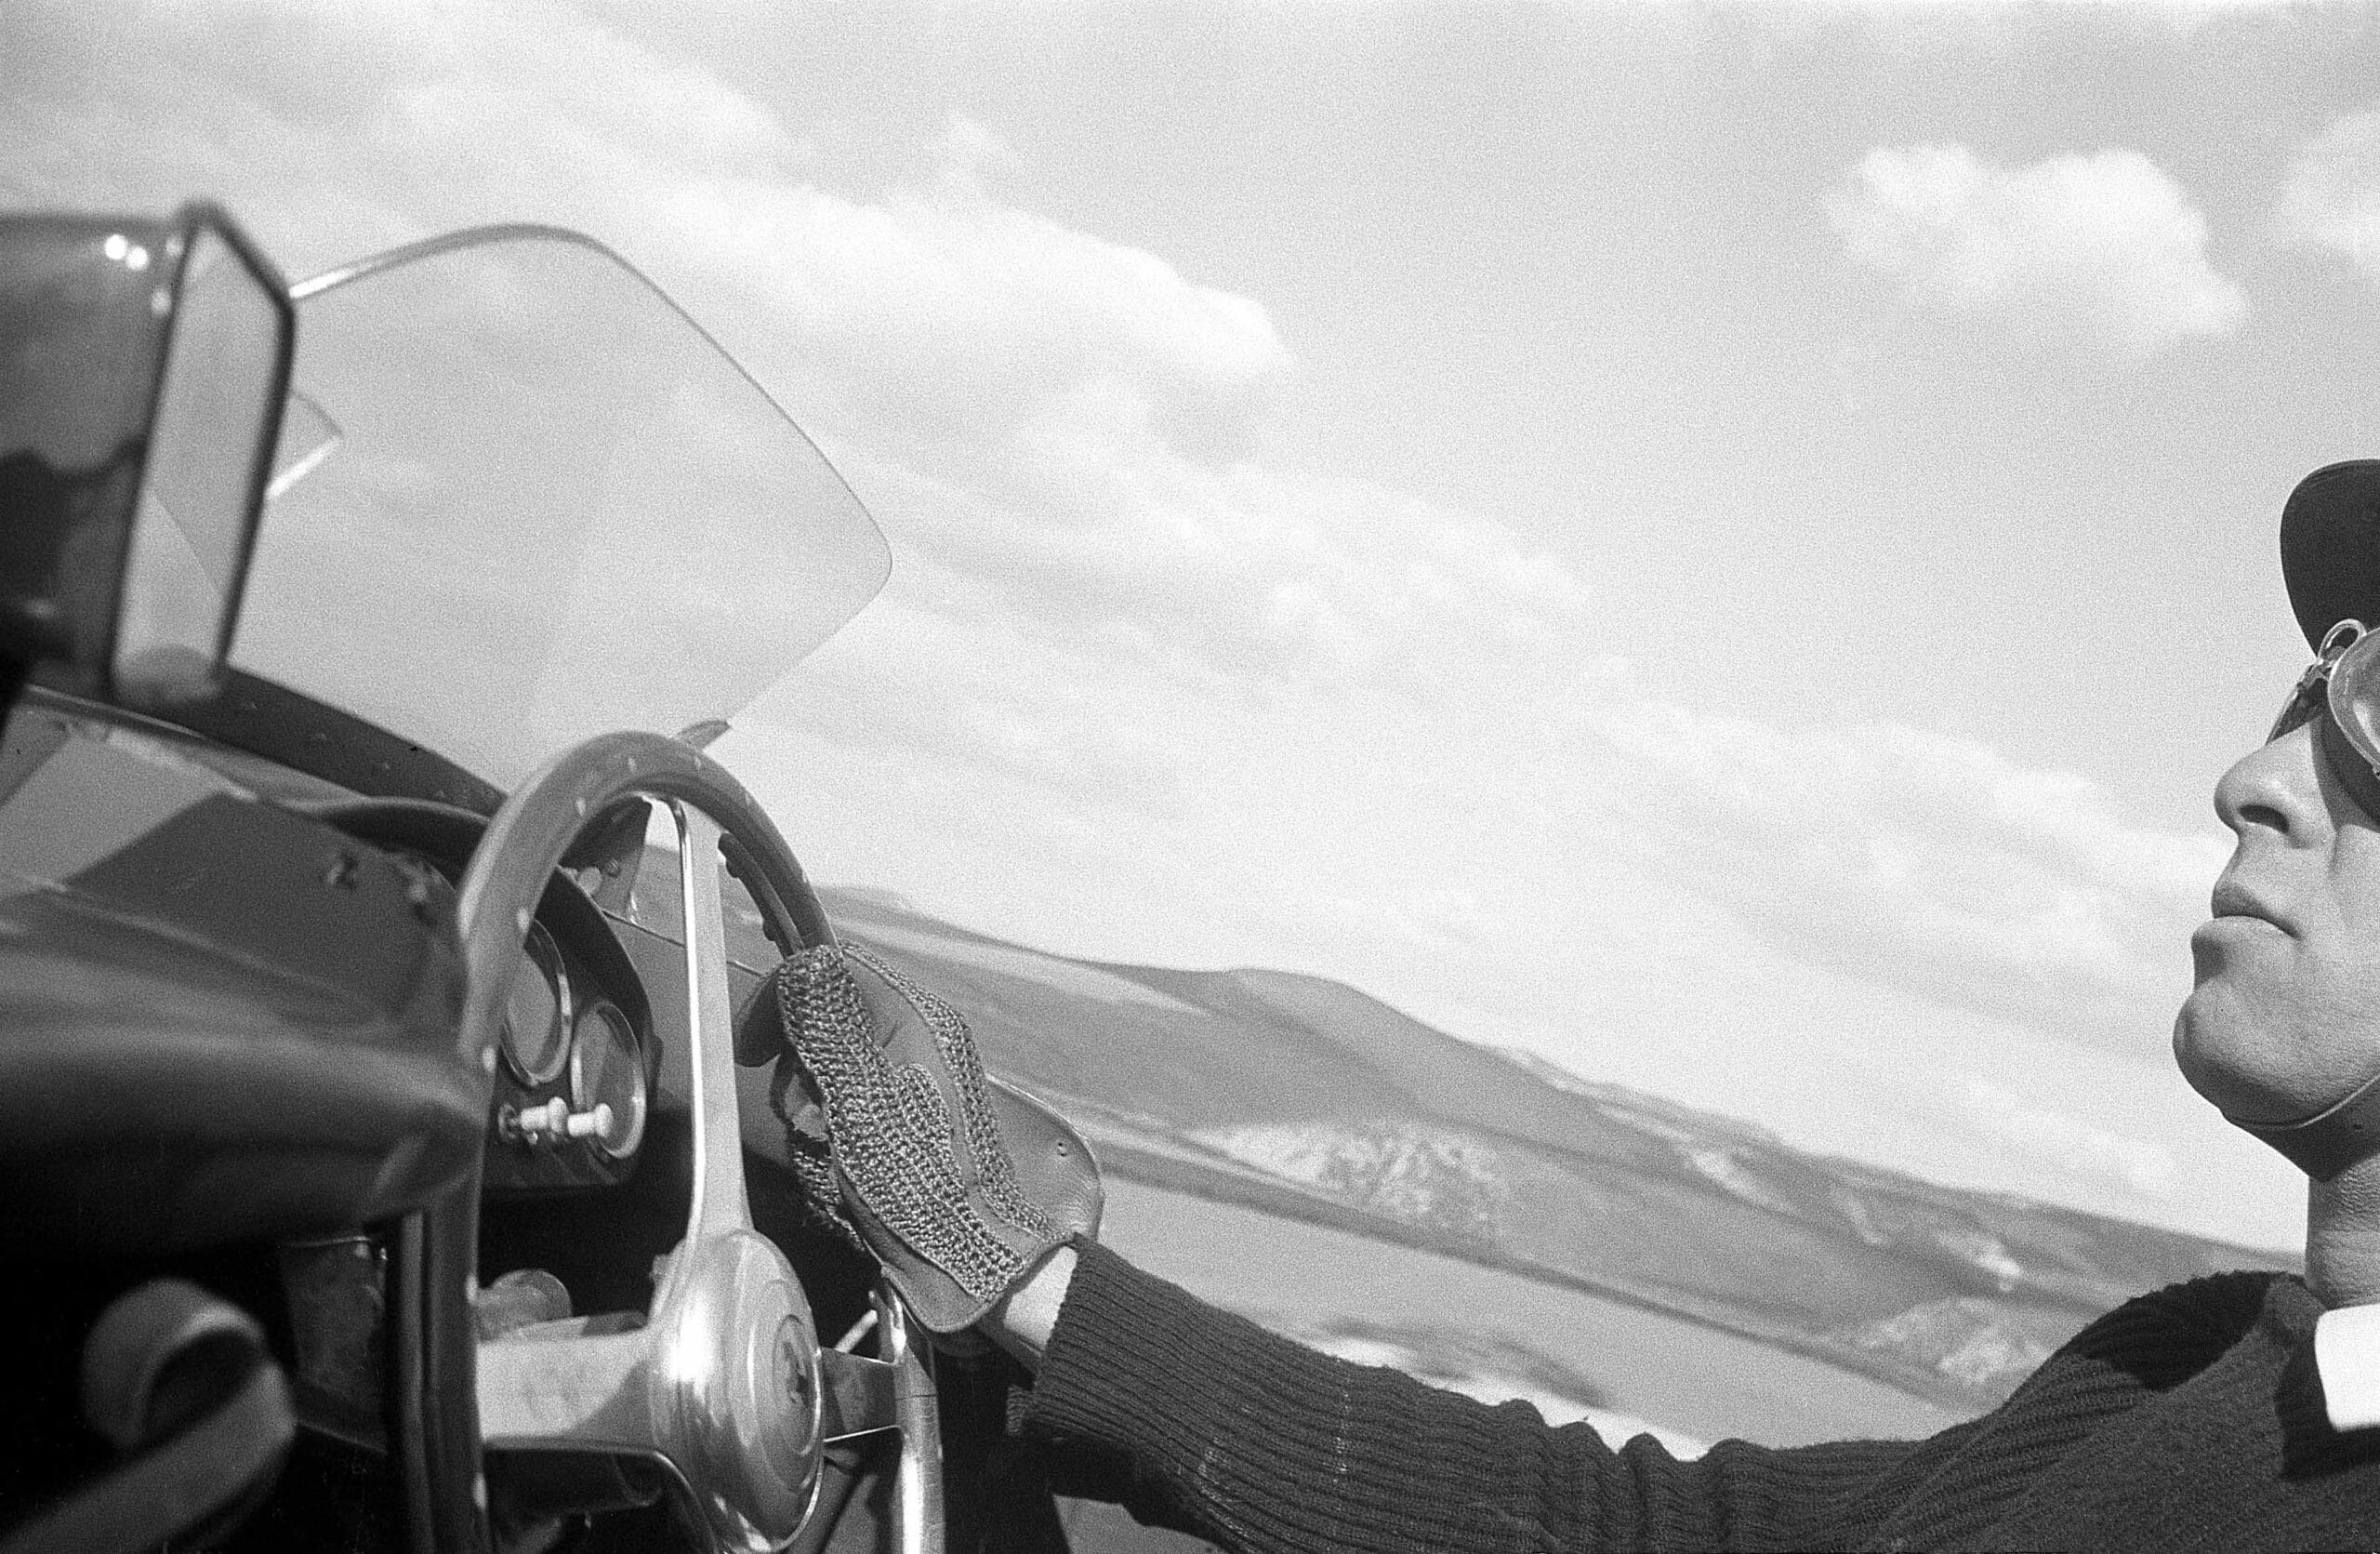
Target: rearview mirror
(142,371)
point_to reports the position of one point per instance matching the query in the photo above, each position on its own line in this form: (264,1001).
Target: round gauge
(537,1014)
(607,1071)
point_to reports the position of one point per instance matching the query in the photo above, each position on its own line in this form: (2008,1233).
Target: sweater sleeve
(1197,1419)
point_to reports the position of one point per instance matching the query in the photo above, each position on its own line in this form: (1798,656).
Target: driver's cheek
(2353,879)
(2318,1021)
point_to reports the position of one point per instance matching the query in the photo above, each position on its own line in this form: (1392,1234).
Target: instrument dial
(607,1071)
(538,1012)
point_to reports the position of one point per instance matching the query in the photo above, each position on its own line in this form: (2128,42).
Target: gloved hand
(960,1185)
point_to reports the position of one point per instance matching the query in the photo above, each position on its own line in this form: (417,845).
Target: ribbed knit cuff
(1268,1446)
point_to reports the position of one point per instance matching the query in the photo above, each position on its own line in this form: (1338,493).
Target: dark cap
(2329,546)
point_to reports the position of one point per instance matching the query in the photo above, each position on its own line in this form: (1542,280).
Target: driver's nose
(2277,790)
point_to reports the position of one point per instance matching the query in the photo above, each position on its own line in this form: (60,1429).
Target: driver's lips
(2234,904)
(2242,924)
(2246,957)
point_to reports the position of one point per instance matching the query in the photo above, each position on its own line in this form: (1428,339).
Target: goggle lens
(2354,693)
(2345,681)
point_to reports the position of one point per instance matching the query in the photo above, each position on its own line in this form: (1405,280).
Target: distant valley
(1305,1098)
(1308,1100)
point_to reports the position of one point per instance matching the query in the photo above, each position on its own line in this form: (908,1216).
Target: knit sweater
(2187,1419)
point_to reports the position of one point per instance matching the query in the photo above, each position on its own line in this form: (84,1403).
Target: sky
(1726,547)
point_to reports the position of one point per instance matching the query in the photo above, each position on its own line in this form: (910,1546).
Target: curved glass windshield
(520,499)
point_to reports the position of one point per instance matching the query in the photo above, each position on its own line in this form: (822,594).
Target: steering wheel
(725,1385)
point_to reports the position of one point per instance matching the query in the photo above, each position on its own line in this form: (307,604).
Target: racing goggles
(2344,681)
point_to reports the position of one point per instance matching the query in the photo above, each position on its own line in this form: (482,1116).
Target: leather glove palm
(957,1184)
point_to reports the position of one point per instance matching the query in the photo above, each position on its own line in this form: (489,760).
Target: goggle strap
(2332,1139)
(2302,706)
(2306,697)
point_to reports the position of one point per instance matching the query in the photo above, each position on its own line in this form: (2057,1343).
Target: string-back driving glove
(959,1184)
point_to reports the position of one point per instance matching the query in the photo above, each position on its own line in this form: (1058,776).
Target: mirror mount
(143,367)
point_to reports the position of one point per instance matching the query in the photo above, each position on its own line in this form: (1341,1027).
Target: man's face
(2286,1017)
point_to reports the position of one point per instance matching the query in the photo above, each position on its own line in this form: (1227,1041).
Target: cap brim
(2329,546)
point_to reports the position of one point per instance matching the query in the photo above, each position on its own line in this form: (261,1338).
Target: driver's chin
(2235,1057)
(2214,1049)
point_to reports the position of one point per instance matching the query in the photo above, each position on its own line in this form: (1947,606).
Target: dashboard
(575,1072)
(577,1061)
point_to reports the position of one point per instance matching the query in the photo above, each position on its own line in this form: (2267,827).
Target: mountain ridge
(1307,1097)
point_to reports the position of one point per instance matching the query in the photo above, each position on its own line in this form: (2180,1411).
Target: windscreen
(520,499)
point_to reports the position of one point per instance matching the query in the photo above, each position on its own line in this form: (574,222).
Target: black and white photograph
(995,776)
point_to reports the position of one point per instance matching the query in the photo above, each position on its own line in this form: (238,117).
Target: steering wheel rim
(726,1384)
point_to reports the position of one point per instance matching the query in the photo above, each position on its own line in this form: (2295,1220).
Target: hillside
(1303,1097)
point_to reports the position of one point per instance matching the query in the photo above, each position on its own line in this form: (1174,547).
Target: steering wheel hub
(738,1383)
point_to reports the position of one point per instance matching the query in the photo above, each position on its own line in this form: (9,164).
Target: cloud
(934,308)
(950,320)
(1051,422)
(1059,423)
(1134,670)
(2331,198)
(1925,860)
(1064,419)
(1515,807)
(1101,580)
(1249,574)
(2055,1140)
(2105,248)
(975,700)
(1064,434)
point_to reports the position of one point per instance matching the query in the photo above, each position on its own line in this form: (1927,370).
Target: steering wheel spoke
(720,1206)
(859,1397)
(579,1394)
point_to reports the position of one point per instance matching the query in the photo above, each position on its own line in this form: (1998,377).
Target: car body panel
(220,1017)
